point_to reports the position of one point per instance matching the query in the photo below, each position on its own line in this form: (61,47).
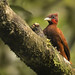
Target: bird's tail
(70,62)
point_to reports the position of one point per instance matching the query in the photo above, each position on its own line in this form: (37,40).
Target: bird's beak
(47,19)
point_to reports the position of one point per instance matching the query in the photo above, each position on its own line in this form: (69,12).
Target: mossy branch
(33,50)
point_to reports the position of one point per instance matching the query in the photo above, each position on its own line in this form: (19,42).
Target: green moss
(48,43)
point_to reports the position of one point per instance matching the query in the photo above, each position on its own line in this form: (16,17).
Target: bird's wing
(64,42)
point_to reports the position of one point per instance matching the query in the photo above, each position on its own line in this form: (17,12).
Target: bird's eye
(52,16)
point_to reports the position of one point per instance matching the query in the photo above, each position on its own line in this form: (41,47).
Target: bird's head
(52,18)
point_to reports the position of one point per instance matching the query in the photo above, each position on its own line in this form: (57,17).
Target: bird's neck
(50,23)
(53,25)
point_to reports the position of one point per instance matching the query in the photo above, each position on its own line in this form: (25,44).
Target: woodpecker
(56,36)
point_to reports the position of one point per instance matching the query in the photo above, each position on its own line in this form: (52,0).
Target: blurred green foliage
(35,11)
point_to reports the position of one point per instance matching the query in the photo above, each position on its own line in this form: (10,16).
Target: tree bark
(35,51)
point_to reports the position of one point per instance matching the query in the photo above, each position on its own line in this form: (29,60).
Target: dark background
(35,11)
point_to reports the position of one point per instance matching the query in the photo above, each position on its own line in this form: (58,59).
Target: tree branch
(33,50)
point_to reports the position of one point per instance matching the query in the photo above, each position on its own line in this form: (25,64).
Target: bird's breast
(52,32)
(53,35)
